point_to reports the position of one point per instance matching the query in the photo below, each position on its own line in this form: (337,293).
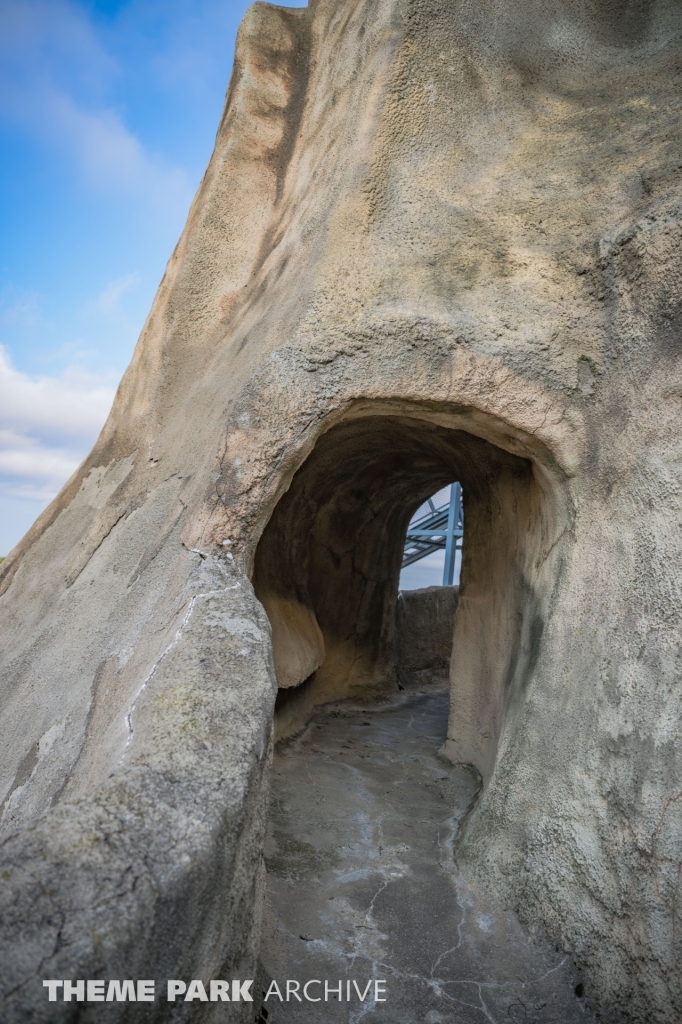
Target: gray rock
(434,242)
(424,626)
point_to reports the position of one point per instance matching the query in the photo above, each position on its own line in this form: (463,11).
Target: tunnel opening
(371,785)
(432,555)
(328,564)
(428,590)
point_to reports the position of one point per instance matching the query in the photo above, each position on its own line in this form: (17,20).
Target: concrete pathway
(362,885)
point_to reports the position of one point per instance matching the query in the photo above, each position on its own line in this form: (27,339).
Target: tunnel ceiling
(328,563)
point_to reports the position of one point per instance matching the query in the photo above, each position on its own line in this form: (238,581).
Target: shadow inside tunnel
(364,902)
(388,718)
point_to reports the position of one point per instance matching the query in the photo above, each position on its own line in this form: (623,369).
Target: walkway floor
(362,885)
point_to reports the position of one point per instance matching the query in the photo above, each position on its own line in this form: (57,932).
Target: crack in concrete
(164,654)
(150,674)
(392,890)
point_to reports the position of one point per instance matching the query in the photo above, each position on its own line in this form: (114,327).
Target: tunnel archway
(328,563)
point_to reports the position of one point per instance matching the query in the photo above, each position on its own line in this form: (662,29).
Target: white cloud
(40,470)
(20,308)
(108,300)
(54,77)
(44,37)
(73,404)
(47,426)
(110,158)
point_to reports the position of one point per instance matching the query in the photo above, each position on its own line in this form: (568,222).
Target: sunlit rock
(434,242)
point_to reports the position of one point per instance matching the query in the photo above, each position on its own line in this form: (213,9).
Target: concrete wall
(436,236)
(424,625)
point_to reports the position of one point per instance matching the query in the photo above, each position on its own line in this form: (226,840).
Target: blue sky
(428,571)
(108,113)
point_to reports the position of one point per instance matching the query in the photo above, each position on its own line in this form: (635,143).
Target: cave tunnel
(328,564)
(370,785)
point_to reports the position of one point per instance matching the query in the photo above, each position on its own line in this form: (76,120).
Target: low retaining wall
(424,622)
(157,872)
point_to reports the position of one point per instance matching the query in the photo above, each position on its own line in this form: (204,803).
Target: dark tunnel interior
(328,564)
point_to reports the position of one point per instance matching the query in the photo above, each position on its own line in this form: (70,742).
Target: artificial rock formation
(435,241)
(423,635)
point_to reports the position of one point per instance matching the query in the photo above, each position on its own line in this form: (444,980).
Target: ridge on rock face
(434,242)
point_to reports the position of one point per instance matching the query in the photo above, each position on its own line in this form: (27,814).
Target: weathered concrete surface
(95,889)
(415,649)
(434,242)
(424,626)
(362,883)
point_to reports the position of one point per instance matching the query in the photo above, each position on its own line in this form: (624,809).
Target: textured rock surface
(154,870)
(434,242)
(424,626)
(361,883)
(413,651)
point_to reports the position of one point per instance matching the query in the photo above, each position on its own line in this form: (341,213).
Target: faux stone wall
(424,624)
(437,236)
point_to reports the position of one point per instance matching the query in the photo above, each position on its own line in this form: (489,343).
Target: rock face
(424,627)
(434,242)
(374,884)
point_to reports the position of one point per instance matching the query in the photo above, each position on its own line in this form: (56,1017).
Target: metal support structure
(440,527)
(450,540)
